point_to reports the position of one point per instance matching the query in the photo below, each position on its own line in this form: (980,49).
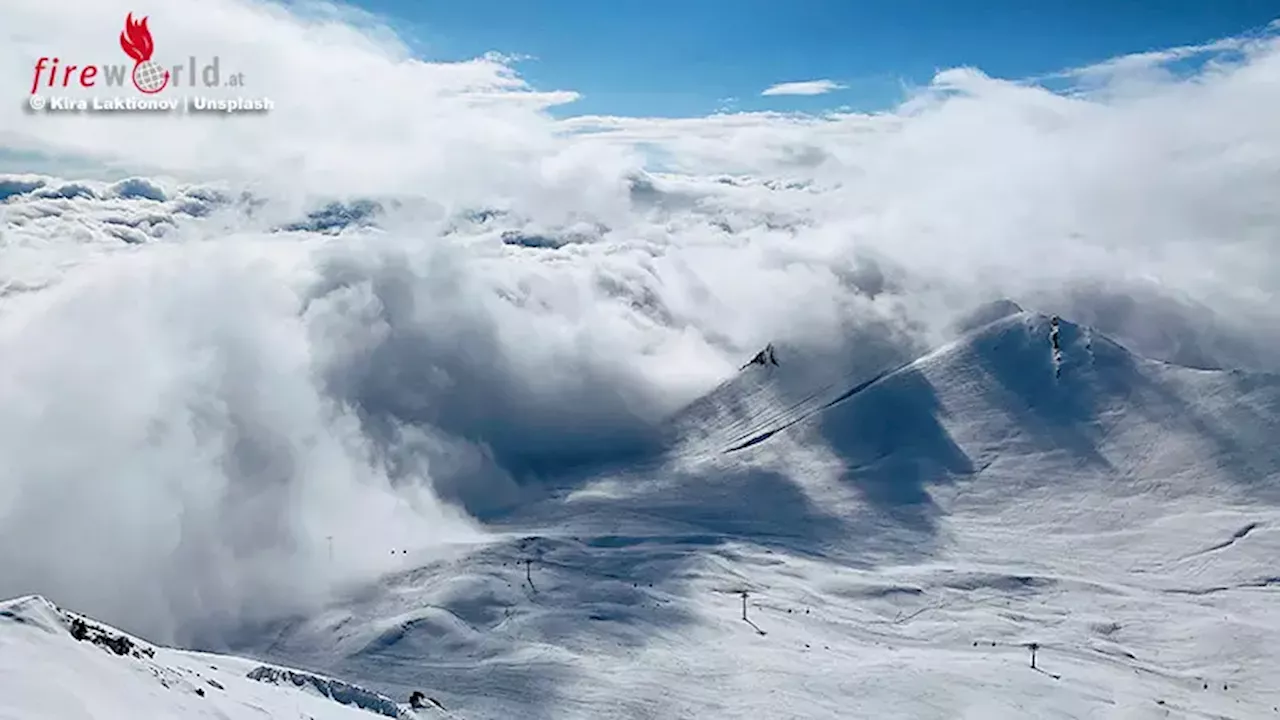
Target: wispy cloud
(807,87)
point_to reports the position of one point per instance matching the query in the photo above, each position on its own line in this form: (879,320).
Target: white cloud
(188,398)
(806,87)
(353,109)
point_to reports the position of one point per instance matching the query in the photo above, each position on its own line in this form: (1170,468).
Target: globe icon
(149,77)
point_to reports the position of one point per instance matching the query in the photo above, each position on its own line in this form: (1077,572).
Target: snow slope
(49,672)
(901,540)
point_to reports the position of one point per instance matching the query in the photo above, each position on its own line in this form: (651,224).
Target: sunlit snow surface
(412,385)
(50,673)
(899,551)
(900,546)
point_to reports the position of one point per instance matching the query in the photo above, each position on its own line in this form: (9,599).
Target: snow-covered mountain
(887,545)
(59,664)
(901,540)
(414,385)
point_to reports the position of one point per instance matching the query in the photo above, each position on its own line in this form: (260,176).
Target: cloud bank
(396,307)
(805,87)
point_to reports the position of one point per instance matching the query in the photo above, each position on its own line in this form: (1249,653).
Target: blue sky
(683,57)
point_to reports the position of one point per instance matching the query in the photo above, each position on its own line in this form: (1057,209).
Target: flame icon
(136,41)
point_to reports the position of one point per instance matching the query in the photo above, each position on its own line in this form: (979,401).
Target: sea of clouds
(241,359)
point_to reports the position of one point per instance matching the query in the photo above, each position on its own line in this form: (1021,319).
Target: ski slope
(901,544)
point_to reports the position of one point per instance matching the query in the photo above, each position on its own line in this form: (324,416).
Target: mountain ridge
(42,642)
(742,425)
(908,540)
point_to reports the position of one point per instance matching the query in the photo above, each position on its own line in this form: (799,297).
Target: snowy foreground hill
(58,664)
(897,541)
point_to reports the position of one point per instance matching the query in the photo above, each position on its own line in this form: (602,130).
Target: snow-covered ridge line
(829,395)
(54,619)
(336,690)
(49,643)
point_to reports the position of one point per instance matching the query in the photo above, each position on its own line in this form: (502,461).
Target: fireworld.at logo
(146,75)
(136,41)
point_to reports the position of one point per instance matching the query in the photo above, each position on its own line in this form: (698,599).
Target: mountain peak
(765,357)
(985,314)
